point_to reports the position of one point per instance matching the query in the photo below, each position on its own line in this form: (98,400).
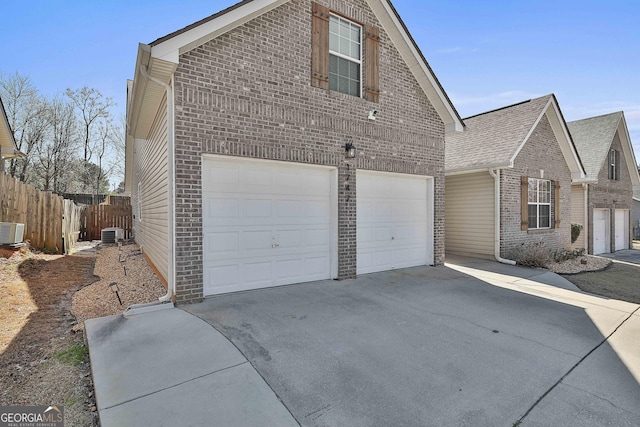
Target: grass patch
(76,355)
(619,281)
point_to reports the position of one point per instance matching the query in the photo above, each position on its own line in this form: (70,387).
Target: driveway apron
(439,346)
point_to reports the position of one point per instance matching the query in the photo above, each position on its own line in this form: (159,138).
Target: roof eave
(8,146)
(627,148)
(145,96)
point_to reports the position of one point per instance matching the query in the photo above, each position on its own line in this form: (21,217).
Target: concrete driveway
(472,343)
(626,255)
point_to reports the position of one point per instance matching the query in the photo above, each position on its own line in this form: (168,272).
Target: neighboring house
(605,148)
(8,147)
(508,181)
(280,142)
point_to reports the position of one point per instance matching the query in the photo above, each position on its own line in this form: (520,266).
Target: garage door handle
(274,245)
(392,238)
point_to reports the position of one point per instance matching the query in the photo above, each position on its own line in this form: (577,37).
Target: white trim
(630,158)
(170,50)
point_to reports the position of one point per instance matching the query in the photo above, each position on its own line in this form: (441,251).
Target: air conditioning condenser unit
(11,233)
(112,234)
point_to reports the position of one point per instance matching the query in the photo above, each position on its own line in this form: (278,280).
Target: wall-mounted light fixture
(350,149)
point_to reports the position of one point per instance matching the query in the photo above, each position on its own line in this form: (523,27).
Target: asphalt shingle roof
(593,137)
(492,138)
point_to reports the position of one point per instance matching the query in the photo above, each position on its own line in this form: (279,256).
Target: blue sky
(487,54)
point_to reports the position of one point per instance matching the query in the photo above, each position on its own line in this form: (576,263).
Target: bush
(535,254)
(565,254)
(575,231)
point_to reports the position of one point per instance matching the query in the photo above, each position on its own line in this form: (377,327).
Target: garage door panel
(621,229)
(265,224)
(392,217)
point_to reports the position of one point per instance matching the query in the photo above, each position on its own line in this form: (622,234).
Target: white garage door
(600,231)
(395,221)
(622,229)
(266,223)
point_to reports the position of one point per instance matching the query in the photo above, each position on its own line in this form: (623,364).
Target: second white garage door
(601,234)
(622,229)
(266,223)
(394,221)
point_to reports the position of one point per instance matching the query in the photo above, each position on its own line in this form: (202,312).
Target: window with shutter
(614,165)
(339,61)
(538,203)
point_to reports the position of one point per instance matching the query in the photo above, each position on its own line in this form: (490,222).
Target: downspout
(585,186)
(171,279)
(495,173)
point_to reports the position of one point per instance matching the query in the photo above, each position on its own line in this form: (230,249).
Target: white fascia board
(413,59)
(564,139)
(170,50)
(629,155)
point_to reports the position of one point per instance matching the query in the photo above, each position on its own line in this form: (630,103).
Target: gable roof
(8,147)
(160,58)
(493,139)
(593,137)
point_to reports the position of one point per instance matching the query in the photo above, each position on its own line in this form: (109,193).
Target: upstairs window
(614,165)
(539,203)
(344,56)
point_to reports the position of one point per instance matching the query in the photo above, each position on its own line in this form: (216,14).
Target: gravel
(135,283)
(581,264)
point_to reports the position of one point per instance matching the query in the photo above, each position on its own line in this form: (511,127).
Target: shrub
(565,254)
(535,254)
(575,231)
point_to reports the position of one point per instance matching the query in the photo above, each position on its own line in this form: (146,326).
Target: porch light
(350,149)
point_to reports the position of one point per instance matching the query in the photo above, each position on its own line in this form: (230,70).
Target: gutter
(171,172)
(585,186)
(495,173)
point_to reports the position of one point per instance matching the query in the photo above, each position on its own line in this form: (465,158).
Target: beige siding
(470,213)
(577,213)
(149,193)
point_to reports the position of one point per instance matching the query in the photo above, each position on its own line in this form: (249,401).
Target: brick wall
(540,152)
(248,93)
(610,194)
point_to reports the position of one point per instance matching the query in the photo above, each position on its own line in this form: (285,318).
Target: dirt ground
(43,301)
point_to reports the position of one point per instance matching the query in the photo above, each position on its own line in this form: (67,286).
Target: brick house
(604,145)
(508,181)
(279,142)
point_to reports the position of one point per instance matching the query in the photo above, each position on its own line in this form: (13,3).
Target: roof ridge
(597,117)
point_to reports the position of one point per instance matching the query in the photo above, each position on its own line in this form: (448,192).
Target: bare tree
(92,106)
(56,156)
(26,114)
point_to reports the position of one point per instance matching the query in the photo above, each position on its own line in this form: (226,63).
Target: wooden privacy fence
(40,212)
(97,217)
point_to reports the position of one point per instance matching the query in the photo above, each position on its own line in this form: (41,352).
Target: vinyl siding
(470,214)
(150,189)
(577,213)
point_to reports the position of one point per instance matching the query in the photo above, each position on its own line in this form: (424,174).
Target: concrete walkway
(450,345)
(169,368)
